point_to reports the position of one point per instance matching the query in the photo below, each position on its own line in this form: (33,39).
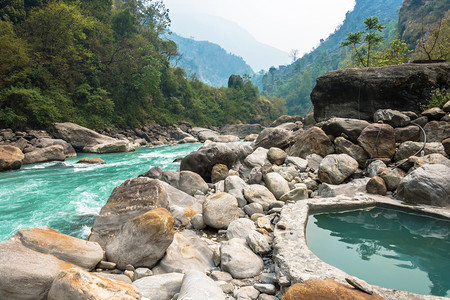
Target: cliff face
(358,93)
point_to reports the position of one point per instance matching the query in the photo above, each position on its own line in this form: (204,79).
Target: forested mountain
(209,62)
(295,82)
(103,63)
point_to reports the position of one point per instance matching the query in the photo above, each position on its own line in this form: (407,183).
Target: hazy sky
(284,24)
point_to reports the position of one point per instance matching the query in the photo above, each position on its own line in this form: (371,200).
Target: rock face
(32,259)
(143,240)
(219,210)
(135,197)
(77,284)
(196,285)
(429,184)
(325,289)
(10,158)
(86,140)
(402,87)
(335,168)
(238,260)
(378,140)
(203,160)
(40,155)
(313,140)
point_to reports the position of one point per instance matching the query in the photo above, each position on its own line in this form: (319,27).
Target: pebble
(106,265)
(266,288)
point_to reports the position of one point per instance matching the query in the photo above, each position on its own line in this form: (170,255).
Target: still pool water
(385,247)
(68,198)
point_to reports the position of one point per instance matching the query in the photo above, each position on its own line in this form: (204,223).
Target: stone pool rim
(295,262)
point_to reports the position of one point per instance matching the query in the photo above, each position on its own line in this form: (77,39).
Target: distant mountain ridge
(229,36)
(209,62)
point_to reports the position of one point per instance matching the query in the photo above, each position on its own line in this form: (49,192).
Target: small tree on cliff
(363,43)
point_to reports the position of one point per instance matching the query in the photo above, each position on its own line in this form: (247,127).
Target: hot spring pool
(385,247)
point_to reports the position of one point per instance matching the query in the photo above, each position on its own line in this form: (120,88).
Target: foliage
(363,43)
(434,43)
(438,99)
(99,65)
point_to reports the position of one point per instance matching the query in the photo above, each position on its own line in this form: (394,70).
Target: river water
(69,197)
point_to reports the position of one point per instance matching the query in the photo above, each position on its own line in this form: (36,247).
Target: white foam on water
(85,232)
(87,204)
(157,155)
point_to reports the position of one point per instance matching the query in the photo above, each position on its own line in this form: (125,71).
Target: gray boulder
(335,168)
(203,160)
(391,117)
(240,228)
(437,131)
(258,158)
(241,130)
(434,113)
(374,167)
(255,193)
(344,146)
(186,181)
(300,163)
(300,192)
(40,155)
(69,151)
(273,137)
(276,156)
(187,252)
(350,128)
(86,140)
(143,240)
(159,287)
(204,134)
(348,189)
(276,184)
(429,184)
(258,242)
(286,119)
(234,186)
(401,87)
(314,161)
(408,133)
(392,177)
(226,139)
(408,149)
(10,158)
(196,285)
(219,210)
(312,141)
(239,260)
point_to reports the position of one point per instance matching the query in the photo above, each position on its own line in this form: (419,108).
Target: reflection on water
(385,247)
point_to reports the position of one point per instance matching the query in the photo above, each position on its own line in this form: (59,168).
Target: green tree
(364,42)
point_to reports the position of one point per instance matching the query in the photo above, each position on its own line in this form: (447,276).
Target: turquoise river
(68,197)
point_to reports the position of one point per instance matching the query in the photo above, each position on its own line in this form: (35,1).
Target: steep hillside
(230,36)
(295,82)
(209,62)
(415,13)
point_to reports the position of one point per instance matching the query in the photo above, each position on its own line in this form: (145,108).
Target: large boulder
(429,184)
(160,287)
(143,240)
(239,260)
(358,93)
(32,259)
(350,128)
(313,140)
(186,181)
(408,133)
(135,197)
(196,285)
(258,158)
(204,134)
(349,189)
(219,210)
(10,158)
(273,137)
(78,284)
(187,252)
(437,131)
(86,140)
(335,168)
(276,156)
(204,159)
(241,130)
(326,289)
(69,151)
(378,140)
(240,228)
(286,119)
(234,185)
(40,155)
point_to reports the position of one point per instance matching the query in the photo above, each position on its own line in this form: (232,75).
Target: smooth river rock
(10,158)
(312,141)
(197,286)
(273,137)
(240,228)
(219,210)
(276,184)
(350,128)
(429,184)
(143,240)
(255,193)
(41,155)
(75,284)
(159,287)
(378,140)
(335,168)
(239,260)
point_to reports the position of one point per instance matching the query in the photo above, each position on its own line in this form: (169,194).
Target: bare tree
(293,54)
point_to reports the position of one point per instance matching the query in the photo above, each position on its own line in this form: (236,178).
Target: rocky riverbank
(216,229)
